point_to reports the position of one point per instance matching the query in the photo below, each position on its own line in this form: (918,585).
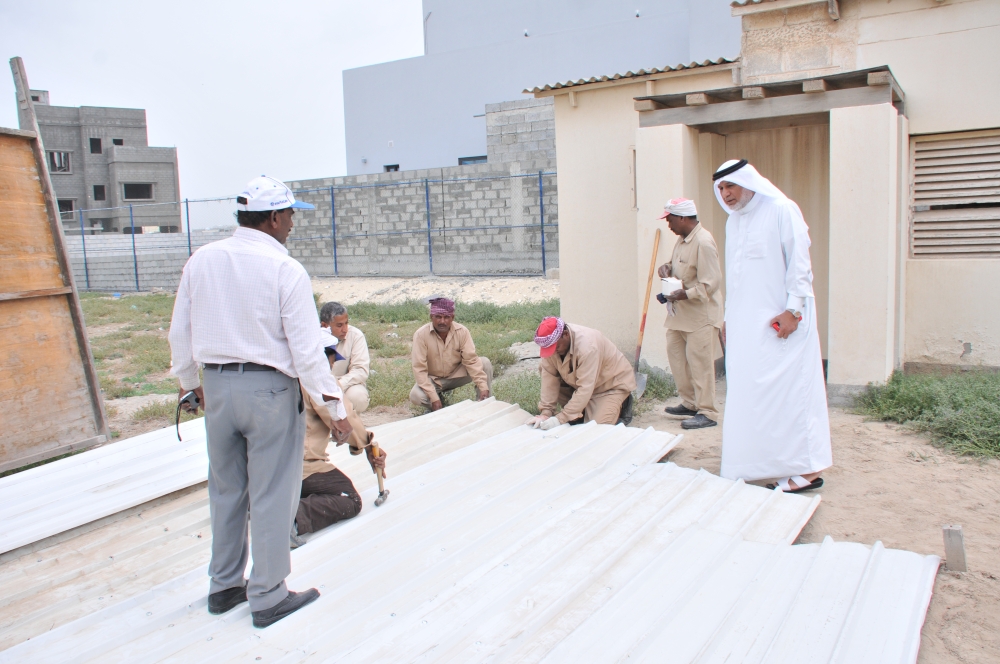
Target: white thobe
(776,421)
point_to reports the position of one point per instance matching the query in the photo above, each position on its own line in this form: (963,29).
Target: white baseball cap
(263,194)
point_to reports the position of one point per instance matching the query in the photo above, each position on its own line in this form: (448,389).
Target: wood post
(954,548)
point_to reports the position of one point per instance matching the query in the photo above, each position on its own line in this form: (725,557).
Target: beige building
(880,118)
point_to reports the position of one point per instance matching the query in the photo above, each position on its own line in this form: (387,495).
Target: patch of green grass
(146,312)
(523,388)
(390,382)
(659,387)
(961,411)
(160,409)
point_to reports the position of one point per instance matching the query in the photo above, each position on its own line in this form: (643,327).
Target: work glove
(550,423)
(661,298)
(533,422)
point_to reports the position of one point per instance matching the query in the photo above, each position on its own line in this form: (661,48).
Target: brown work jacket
(433,357)
(318,427)
(592,365)
(695,262)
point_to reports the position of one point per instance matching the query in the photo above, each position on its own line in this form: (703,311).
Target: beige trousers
(602,408)
(358,396)
(692,362)
(458,378)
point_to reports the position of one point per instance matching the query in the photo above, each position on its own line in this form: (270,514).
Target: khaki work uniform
(352,372)
(693,330)
(441,366)
(327,495)
(591,381)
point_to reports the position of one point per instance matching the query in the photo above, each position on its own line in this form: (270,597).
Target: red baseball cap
(548,334)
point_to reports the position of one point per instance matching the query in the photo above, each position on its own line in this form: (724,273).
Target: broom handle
(645,303)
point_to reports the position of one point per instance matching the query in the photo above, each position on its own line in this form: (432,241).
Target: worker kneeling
(327,494)
(583,372)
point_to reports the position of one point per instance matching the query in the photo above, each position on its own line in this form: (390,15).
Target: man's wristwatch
(798,315)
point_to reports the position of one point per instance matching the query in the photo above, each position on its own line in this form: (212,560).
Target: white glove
(549,423)
(533,422)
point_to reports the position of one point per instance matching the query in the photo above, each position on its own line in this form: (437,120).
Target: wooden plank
(815,85)
(954,548)
(756,92)
(45,292)
(755,109)
(643,105)
(53,307)
(43,386)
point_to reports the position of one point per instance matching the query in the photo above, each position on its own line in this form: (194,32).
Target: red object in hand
(777,328)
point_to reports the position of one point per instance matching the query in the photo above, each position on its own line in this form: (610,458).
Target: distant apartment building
(101,165)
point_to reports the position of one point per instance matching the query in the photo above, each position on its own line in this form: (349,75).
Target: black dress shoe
(225,600)
(698,422)
(680,410)
(285,607)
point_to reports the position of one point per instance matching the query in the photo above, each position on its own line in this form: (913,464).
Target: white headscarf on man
(748,178)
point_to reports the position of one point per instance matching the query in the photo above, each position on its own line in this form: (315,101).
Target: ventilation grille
(956,195)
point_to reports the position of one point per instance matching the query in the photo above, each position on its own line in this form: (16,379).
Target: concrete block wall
(160,257)
(482,220)
(521,131)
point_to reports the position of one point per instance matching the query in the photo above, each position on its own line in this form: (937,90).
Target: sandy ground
(892,485)
(388,290)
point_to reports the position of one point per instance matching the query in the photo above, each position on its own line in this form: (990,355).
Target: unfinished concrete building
(100,161)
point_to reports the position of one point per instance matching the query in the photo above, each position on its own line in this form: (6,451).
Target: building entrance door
(797,161)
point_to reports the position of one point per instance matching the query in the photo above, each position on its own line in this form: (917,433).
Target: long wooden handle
(645,302)
(376,453)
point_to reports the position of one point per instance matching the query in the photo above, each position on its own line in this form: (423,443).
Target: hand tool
(383,493)
(640,379)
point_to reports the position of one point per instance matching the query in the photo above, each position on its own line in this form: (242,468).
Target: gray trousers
(255,436)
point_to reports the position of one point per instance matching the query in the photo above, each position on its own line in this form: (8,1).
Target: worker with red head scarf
(583,372)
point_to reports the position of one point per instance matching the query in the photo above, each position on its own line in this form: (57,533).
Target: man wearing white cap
(777,424)
(694,316)
(245,312)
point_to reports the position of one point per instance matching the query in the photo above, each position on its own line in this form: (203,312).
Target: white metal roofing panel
(64,494)
(500,550)
(93,566)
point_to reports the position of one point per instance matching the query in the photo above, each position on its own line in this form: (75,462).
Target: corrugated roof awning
(630,74)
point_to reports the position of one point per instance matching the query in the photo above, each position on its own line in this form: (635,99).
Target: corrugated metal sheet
(563,546)
(100,563)
(628,74)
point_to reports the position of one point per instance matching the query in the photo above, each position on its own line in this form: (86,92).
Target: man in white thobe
(776,425)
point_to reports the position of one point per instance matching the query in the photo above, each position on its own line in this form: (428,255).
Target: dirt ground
(388,290)
(890,484)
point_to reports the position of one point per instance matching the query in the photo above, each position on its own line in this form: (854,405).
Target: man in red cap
(583,372)
(444,357)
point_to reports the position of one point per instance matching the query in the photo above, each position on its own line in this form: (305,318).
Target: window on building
(66,208)
(465,161)
(106,224)
(35,98)
(137,192)
(118,141)
(99,193)
(956,195)
(391,168)
(95,146)
(59,162)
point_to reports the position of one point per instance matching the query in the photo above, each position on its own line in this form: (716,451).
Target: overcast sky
(240,88)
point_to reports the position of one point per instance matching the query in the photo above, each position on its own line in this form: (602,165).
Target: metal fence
(487,225)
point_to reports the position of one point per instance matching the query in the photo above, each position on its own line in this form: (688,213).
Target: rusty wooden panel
(28,259)
(43,387)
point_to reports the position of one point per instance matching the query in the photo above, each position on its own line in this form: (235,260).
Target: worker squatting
(279,381)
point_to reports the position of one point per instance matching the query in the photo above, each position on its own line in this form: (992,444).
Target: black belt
(238,366)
